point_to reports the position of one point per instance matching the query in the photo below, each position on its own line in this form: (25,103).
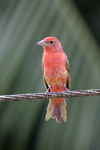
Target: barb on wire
(31,96)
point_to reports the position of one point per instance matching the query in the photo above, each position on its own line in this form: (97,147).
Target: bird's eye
(51,42)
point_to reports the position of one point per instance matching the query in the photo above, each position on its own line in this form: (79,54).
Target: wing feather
(45,83)
(68,76)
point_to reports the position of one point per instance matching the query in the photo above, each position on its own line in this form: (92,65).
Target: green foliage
(22,125)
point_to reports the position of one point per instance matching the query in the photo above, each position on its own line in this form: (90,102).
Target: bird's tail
(56,112)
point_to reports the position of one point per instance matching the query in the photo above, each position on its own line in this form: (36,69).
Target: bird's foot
(47,92)
(68,91)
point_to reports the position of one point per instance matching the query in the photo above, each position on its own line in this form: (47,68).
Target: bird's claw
(47,92)
(68,91)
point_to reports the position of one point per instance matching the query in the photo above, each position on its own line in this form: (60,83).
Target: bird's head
(50,44)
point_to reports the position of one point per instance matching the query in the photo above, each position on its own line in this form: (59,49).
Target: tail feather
(63,110)
(56,112)
(49,110)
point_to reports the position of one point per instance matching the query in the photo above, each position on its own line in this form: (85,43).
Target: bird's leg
(68,91)
(47,91)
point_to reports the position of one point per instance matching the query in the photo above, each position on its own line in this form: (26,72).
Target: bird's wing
(45,83)
(68,70)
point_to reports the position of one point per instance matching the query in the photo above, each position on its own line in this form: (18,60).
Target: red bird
(56,75)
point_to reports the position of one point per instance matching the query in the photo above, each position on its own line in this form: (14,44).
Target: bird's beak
(42,43)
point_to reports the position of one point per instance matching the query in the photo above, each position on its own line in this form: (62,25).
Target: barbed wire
(31,96)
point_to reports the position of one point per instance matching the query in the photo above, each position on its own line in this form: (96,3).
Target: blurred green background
(22,24)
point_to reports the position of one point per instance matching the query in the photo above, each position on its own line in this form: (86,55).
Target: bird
(56,76)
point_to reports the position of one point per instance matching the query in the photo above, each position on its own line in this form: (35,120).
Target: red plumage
(56,74)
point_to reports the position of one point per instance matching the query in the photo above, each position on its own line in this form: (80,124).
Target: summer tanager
(56,75)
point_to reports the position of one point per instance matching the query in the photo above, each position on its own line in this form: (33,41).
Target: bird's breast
(54,68)
(54,64)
